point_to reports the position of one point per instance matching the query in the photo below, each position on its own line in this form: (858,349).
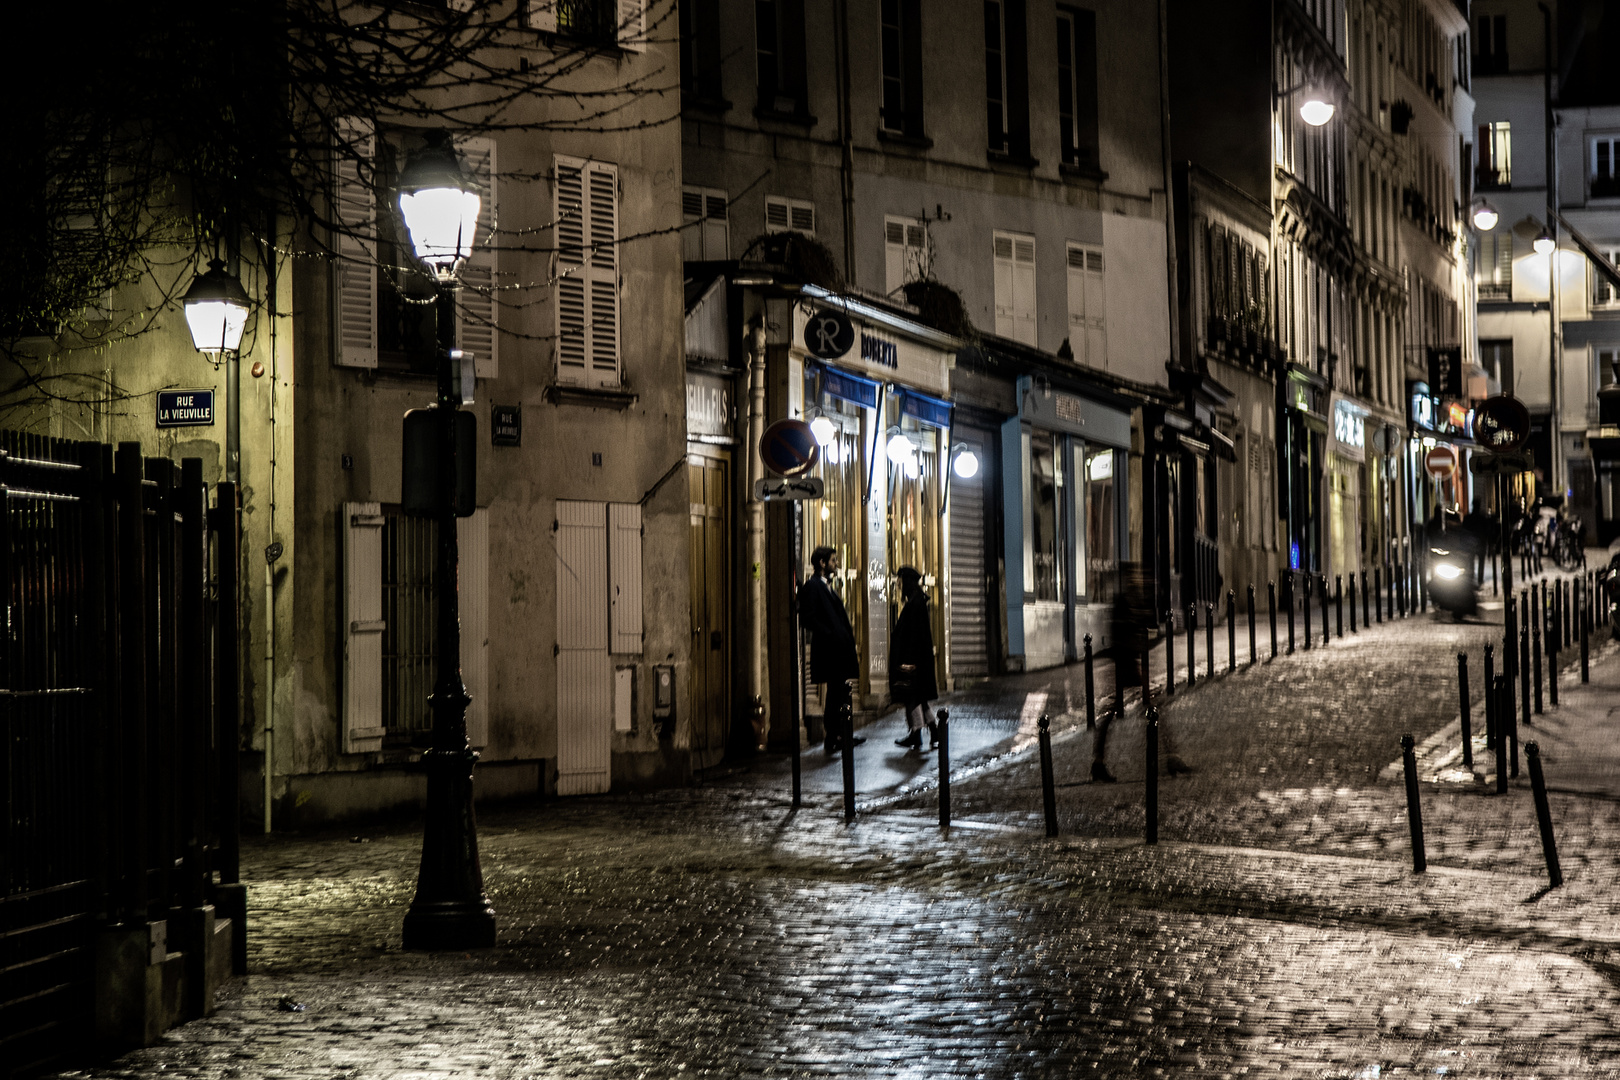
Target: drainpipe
(269,680)
(1555,472)
(846,162)
(756,533)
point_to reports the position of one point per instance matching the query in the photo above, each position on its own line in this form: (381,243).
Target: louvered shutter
(1077,302)
(477,312)
(894,254)
(472,592)
(543,15)
(355,276)
(633,25)
(776,215)
(362,628)
(803,218)
(624,577)
(1004,285)
(691,224)
(569,214)
(1024,289)
(716,226)
(602,181)
(1096,328)
(1217,271)
(584,672)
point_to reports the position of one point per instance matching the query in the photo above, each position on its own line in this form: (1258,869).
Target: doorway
(708,479)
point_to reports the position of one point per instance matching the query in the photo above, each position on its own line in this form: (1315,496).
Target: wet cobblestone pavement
(1276,931)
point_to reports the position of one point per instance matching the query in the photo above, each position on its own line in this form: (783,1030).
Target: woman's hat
(908,575)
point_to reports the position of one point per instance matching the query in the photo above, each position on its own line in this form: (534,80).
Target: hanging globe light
(965,463)
(216,310)
(823,429)
(900,448)
(439,206)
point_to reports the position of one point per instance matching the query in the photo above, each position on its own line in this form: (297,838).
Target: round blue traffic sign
(789,448)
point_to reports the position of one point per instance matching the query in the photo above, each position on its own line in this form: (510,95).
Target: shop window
(914,521)
(1046,534)
(1102,527)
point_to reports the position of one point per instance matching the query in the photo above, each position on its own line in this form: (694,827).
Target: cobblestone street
(1276,931)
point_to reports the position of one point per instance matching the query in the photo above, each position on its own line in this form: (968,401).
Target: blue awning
(849,387)
(925,409)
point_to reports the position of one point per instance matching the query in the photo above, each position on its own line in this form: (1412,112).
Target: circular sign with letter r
(829,334)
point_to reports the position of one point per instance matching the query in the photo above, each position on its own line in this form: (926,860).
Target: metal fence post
(1048,791)
(1414,809)
(1462,702)
(1538,787)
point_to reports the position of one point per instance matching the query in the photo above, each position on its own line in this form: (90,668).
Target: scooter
(1451,576)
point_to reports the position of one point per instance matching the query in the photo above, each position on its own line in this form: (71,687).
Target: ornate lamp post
(450,910)
(217,308)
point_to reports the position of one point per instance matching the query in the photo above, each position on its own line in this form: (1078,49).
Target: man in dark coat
(911,660)
(832,648)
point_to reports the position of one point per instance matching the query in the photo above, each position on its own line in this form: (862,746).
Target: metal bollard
(1048,788)
(1414,809)
(1585,649)
(1535,667)
(943,734)
(1462,703)
(1378,592)
(1305,610)
(1496,574)
(1352,603)
(1552,678)
(1169,656)
(1253,655)
(1523,672)
(1192,645)
(1538,788)
(1271,604)
(1322,593)
(1490,694)
(1288,603)
(849,764)
(1150,739)
(1091,690)
(1365,620)
(1338,604)
(1209,637)
(1231,631)
(1503,692)
(1566,624)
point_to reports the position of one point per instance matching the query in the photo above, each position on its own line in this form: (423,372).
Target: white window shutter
(633,25)
(691,224)
(356,272)
(472,592)
(543,15)
(716,226)
(1024,289)
(1096,328)
(568,212)
(582,607)
(477,312)
(602,200)
(1004,285)
(584,671)
(1077,302)
(362,628)
(624,577)
(894,254)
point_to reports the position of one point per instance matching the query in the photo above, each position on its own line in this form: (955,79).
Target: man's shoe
(855,740)
(911,742)
(1100,774)
(832,747)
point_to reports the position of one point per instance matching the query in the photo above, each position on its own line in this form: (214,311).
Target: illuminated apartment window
(1495,156)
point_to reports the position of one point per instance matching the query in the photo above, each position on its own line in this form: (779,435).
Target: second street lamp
(450,910)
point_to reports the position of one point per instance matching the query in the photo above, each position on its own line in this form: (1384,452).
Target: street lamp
(450,910)
(1316,110)
(1544,243)
(216,310)
(1485,216)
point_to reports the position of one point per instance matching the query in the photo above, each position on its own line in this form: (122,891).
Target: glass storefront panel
(1102,527)
(835,520)
(914,524)
(1046,536)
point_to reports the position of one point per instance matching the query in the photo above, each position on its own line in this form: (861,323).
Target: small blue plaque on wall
(185,408)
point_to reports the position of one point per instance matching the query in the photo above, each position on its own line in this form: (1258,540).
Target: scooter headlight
(1447,572)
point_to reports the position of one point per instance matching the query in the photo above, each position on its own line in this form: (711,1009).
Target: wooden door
(708,479)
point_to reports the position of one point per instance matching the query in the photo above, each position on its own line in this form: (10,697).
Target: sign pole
(798,654)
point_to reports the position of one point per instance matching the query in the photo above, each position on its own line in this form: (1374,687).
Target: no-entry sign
(1441,461)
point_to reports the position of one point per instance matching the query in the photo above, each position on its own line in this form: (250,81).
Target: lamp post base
(450,910)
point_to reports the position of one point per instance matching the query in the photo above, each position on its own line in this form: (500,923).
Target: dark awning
(1599,260)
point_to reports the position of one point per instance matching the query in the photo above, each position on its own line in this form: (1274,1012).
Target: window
(1490,45)
(905,250)
(1077,86)
(1496,357)
(1087,339)
(700,49)
(790,215)
(779,53)
(386,317)
(1495,156)
(1608,368)
(901,44)
(1605,166)
(1015,286)
(617,21)
(1604,293)
(705,231)
(587,293)
(1496,265)
(1006,78)
(1046,533)
(1102,527)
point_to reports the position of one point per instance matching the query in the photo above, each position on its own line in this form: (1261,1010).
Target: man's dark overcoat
(832,640)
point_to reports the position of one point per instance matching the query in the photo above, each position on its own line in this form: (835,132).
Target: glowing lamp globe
(440,209)
(965,464)
(900,449)
(1316,112)
(1485,217)
(1544,244)
(216,310)
(823,429)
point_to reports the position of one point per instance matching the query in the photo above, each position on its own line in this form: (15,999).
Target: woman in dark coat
(832,648)
(911,661)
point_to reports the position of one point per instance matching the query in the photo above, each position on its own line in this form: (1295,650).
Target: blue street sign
(789,448)
(185,408)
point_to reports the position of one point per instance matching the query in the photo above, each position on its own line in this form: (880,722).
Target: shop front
(882,418)
(1303,446)
(1065,470)
(1347,456)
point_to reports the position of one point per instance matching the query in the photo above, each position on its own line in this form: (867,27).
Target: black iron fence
(119,727)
